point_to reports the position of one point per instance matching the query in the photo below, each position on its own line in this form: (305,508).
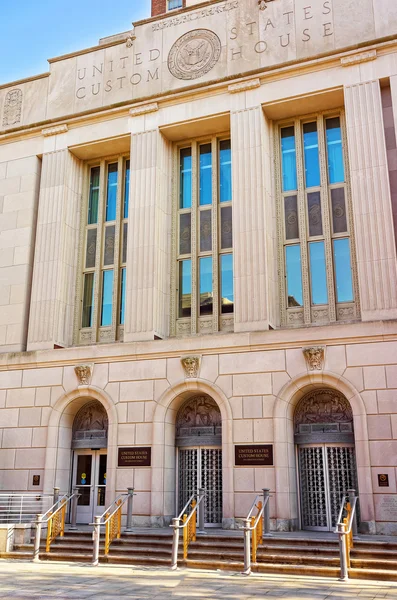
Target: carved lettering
(237,53)
(123,59)
(282,41)
(96,69)
(138,58)
(233,33)
(306,12)
(81,73)
(327,29)
(81,93)
(326,7)
(287,14)
(251,26)
(97,89)
(152,55)
(260,47)
(151,76)
(136,78)
(307,35)
(269,23)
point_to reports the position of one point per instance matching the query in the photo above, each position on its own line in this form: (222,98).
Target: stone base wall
(254,377)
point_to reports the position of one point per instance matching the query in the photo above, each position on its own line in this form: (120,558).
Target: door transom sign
(90,427)
(323,415)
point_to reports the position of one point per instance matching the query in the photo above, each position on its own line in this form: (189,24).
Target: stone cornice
(279,339)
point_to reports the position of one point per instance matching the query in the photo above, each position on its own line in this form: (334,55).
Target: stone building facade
(198,273)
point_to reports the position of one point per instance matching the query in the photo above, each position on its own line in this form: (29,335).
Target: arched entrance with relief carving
(326,461)
(89,460)
(199,455)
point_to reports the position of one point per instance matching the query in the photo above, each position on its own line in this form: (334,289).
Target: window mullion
(175,244)
(325,203)
(281,232)
(117,257)
(195,216)
(215,243)
(302,223)
(99,252)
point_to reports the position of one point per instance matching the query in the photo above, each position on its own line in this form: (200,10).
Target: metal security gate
(326,472)
(201,468)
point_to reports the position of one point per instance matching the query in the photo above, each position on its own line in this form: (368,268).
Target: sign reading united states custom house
(254,456)
(135,457)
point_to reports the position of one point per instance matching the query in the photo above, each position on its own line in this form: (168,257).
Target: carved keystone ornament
(191,365)
(84,374)
(314,356)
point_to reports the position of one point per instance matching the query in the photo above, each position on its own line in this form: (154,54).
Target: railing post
(56,495)
(344,574)
(37,539)
(201,509)
(175,543)
(96,537)
(73,508)
(129,508)
(352,494)
(247,549)
(266,512)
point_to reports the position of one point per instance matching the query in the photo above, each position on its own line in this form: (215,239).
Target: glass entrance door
(201,468)
(326,472)
(89,475)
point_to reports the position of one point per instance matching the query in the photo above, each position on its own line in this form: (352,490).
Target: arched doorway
(324,436)
(89,460)
(199,455)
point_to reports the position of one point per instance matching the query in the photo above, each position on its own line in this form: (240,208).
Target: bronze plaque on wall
(383,480)
(36,479)
(135,457)
(254,456)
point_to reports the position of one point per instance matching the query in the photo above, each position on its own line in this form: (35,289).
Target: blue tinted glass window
(126,189)
(107,298)
(336,169)
(186,178)
(88,300)
(123,291)
(94,196)
(310,147)
(227,292)
(206,286)
(294,275)
(318,273)
(343,271)
(225,171)
(205,174)
(185,288)
(111,196)
(288,158)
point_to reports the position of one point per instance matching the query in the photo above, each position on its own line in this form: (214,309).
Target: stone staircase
(293,555)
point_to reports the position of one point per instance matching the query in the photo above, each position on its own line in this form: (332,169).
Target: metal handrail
(22,508)
(258,525)
(111,519)
(54,518)
(188,526)
(345,528)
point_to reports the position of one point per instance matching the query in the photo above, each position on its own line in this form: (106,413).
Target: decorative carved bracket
(84,373)
(144,109)
(243,86)
(262,4)
(314,356)
(55,130)
(191,365)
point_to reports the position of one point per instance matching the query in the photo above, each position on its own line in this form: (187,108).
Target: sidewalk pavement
(22,580)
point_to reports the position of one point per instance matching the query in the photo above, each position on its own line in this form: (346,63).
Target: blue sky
(31,31)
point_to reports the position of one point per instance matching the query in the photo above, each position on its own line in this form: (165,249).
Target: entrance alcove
(321,409)
(192,434)
(325,454)
(81,439)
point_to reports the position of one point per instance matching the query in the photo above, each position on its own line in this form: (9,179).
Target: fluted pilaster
(252,276)
(373,220)
(148,255)
(56,256)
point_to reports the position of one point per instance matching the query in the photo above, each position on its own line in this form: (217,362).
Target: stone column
(373,219)
(252,221)
(56,252)
(148,253)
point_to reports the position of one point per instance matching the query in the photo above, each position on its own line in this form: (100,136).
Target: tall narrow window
(317,265)
(102,289)
(203,277)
